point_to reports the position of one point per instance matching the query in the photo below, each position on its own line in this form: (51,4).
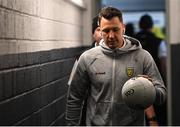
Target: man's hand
(145,76)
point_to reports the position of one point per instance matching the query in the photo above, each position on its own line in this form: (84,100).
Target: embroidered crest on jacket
(129,71)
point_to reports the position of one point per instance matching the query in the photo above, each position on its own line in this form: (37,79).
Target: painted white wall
(174,21)
(36,25)
(87,23)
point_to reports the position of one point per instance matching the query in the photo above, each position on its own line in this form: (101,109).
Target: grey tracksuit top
(102,72)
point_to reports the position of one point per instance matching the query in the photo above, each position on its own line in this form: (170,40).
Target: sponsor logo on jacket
(100,73)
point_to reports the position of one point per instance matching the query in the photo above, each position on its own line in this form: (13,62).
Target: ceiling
(136,5)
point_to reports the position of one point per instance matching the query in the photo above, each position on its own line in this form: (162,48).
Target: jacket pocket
(101,114)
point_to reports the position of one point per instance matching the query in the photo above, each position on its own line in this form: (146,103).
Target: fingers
(145,76)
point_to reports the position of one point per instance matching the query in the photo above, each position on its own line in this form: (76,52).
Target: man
(151,43)
(96,32)
(147,38)
(103,71)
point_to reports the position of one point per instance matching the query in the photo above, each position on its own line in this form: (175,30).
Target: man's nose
(111,34)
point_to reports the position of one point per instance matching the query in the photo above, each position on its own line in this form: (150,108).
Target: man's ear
(124,31)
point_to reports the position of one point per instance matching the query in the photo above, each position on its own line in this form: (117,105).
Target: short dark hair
(109,13)
(95,24)
(146,22)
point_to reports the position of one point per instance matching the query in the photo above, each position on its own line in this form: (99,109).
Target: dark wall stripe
(26,59)
(175,68)
(33,86)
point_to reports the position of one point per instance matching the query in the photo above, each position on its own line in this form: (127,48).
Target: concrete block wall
(39,42)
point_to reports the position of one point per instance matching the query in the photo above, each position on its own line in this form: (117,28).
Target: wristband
(152,118)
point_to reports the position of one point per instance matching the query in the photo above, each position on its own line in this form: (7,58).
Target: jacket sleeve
(76,93)
(152,71)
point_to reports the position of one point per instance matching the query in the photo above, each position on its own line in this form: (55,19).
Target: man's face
(112,32)
(97,36)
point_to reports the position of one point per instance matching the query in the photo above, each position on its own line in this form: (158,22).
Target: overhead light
(79,3)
